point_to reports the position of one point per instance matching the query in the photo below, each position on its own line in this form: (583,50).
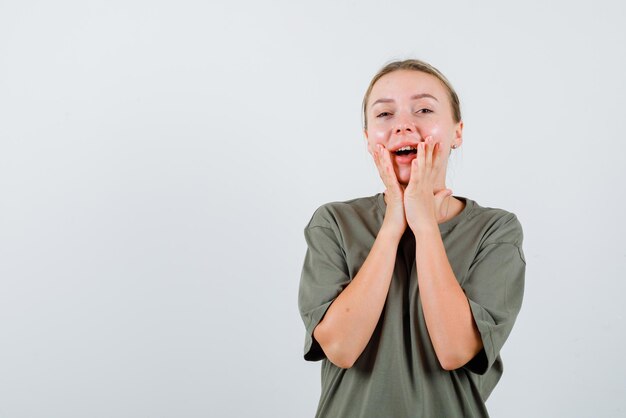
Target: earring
(454,146)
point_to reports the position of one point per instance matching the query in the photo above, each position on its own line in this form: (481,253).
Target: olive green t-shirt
(398,374)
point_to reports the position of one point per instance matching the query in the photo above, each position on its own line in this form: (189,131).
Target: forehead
(402,84)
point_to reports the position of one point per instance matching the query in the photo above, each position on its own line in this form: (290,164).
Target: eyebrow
(414,97)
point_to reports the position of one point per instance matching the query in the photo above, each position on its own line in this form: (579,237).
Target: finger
(374,152)
(421,157)
(439,155)
(379,163)
(389,166)
(439,159)
(386,172)
(374,155)
(436,157)
(415,172)
(429,152)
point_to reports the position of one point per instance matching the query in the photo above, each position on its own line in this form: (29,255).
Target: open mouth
(408,150)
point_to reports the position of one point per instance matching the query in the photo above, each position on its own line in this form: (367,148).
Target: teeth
(407,148)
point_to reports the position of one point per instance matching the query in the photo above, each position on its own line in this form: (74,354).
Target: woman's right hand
(395,218)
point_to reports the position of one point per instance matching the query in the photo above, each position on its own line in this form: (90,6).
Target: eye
(383,114)
(425,110)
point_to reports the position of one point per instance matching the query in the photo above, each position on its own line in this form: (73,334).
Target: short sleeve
(495,288)
(324,276)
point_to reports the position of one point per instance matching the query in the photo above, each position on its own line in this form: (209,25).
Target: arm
(351,319)
(447,312)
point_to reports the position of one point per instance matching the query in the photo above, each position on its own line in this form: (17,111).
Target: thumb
(440,203)
(442,194)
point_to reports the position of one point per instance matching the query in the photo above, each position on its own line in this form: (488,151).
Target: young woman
(408,295)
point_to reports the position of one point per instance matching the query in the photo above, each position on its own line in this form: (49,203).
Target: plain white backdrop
(159,161)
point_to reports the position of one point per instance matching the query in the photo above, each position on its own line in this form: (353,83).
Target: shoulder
(334,214)
(498,225)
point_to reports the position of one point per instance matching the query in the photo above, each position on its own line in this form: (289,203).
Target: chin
(403,177)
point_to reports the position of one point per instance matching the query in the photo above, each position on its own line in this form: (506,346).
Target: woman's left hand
(424,206)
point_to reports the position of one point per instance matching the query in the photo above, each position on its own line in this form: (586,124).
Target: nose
(405,128)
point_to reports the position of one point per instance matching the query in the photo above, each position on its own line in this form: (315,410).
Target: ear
(458,134)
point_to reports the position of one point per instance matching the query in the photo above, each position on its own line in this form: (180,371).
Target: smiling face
(403,109)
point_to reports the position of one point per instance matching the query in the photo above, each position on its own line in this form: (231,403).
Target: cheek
(379,135)
(439,133)
(433,130)
(375,137)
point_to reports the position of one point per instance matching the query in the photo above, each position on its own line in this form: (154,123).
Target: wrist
(425,226)
(391,232)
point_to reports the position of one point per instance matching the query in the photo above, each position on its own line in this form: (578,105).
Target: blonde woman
(408,295)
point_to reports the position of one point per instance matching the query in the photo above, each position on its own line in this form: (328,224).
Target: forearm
(447,313)
(352,317)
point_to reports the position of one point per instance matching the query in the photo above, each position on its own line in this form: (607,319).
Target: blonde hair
(414,65)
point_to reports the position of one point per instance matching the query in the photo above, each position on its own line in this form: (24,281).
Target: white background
(159,161)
